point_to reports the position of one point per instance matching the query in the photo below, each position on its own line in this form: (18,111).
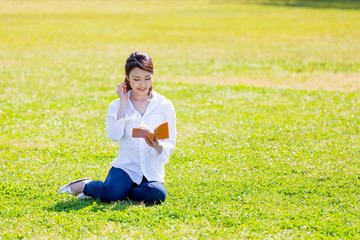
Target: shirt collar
(154,102)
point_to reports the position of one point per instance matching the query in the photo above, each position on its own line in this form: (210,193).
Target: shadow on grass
(93,205)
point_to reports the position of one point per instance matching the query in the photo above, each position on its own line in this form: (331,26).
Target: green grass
(263,150)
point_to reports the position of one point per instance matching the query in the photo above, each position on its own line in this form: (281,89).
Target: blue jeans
(118,185)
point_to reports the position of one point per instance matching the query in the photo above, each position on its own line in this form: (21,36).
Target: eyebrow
(139,76)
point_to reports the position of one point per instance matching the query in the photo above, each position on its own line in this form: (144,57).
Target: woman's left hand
(154,143)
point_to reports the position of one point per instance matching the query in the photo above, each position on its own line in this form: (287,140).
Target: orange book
(162,132)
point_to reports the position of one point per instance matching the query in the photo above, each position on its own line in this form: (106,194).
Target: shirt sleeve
(170,143)
(115,128)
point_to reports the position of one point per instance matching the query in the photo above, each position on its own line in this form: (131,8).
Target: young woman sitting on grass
(138,171)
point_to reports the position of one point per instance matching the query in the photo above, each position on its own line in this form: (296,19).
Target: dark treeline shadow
(340,4)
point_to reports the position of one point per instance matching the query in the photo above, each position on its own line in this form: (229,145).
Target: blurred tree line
(345,4)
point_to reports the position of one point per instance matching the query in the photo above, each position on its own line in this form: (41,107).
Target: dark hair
(138,60)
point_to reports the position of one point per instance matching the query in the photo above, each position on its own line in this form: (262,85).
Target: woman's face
(140,81)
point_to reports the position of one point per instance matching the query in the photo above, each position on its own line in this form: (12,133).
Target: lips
(142,90)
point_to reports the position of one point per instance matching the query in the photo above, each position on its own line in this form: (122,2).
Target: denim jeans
(118,185)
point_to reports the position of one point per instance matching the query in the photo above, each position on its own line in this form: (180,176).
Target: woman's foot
(82,196)
(76,187)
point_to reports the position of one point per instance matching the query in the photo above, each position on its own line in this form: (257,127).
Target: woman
(138,170)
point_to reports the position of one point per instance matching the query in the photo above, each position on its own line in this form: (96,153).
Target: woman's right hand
(121,92)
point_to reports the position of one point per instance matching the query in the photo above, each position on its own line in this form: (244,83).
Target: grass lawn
(268,114)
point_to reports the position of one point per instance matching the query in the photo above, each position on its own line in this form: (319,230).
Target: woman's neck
(140,98)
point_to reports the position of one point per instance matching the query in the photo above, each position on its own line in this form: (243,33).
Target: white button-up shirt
(135,156)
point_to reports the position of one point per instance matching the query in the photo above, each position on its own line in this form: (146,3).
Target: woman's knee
(149,192)
(158,190)
(160,196)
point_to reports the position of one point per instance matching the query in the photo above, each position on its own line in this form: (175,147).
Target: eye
(148,79)
(136,79)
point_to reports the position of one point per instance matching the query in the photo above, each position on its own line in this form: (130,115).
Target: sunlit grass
(192,39)
(262,152)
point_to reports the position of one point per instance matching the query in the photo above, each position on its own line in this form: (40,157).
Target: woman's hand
(154,143)
(123,95)
(121,92)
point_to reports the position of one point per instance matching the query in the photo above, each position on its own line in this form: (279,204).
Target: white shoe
(82,196)
(67,188)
